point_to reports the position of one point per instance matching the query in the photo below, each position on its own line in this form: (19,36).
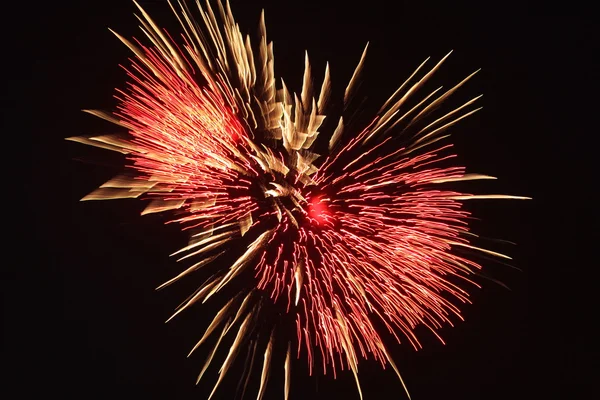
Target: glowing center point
(318,209)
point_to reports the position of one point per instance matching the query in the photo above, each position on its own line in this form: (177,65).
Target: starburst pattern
(366,232)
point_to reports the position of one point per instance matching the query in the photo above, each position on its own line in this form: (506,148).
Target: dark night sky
(82,319)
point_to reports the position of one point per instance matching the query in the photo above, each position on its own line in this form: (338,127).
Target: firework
(335,241)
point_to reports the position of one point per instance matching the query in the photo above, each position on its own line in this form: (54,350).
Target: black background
(82,319)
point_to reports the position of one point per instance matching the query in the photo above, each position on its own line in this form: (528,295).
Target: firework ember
(366,232)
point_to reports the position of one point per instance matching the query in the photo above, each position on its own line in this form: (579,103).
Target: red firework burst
(365,233)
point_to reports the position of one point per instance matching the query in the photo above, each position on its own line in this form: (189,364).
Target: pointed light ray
(355,373)
(90,142)
(353,81)
(212,230)
(264,376)
(393,364)
(386,117)
(412,149)
(337,133)
(193,268)
(125,182)
(114,140)
(479,249)
(466,177)
(157,206)
(325,90)
(250,56)
(193,299)
(388,101)
(204,241)
(445,126)
(441,99)
(214,33)
(189,38)
(240,262)
(112,194)
(233,350)
(174,54)
(210,281)
(156,41)
(288,373)
(107,117)
(487,196)
(140,56)
(215,322)
(206,248)
(200,42)
(242,308)
(248,364)
(306,84)
(298,279)
(398,120)
(212,353)
(349,348)
(443,118)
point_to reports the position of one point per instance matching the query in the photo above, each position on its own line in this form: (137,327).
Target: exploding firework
(338,243)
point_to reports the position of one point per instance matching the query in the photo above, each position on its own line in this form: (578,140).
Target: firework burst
(364,233)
